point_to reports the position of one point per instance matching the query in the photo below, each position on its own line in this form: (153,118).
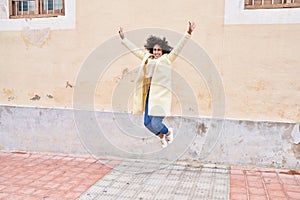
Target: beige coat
(160,95)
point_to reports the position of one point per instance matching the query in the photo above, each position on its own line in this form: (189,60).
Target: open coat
(160,94)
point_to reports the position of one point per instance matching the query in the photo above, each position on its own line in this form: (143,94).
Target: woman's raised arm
(177,49)
(138,52)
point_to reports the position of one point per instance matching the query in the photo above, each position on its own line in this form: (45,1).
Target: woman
(153,92)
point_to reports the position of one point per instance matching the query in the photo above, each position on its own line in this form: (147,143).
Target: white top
(150,67)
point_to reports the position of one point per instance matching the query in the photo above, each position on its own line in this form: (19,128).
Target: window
(235,13)
(263,4)
(36,8)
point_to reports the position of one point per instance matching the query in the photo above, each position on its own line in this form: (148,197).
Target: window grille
(265,4)
(36,8)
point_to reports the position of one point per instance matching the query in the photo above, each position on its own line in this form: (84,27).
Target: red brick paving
(259,184)
(36,176)
(39,176)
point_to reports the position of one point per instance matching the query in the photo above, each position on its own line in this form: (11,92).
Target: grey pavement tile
(146,195)
(128,193)
(180,197)
(177,181)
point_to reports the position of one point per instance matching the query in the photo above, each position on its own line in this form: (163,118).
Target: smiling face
(157,51)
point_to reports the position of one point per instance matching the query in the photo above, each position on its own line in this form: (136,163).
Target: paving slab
(26,176)
(178,180)
(49,176)
(259,183)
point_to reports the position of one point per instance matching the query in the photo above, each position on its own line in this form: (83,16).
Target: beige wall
(258,64)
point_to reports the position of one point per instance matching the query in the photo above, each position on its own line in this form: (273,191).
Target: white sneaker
(163,142)
(170,137)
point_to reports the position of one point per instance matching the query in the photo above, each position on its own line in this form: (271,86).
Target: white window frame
(236,14)
(68,21)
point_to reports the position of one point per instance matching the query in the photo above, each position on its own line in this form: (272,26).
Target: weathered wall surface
(106,134)
(258,64)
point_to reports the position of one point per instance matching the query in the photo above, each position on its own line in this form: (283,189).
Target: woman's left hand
(192,27)
(121,33)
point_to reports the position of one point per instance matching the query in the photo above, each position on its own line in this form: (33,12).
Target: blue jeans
(154,123)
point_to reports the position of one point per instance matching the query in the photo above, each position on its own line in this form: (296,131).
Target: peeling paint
(69,85)
(124,72)
(49,96)
(122,76)
(9,93)
(10,98)
(8,110)
(296,150)
(201,128)
(249,125)
(35,98)
(35,37)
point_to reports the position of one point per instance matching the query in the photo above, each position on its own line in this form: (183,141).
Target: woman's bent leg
(157,124)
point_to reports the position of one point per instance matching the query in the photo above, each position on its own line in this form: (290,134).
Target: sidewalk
(42,176)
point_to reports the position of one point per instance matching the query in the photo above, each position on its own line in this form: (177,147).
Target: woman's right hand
(192,27)
(121,33)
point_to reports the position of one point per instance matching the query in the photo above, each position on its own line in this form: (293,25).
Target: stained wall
(258,64)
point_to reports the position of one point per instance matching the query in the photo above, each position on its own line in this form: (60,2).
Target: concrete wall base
(107,134)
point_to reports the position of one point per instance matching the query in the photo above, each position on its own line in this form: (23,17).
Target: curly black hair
(163,43)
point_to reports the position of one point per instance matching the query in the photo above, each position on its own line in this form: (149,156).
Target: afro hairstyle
(163,43)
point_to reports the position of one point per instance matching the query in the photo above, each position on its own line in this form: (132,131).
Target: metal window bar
(262,2)
(52,5)
(16,8)
(46,5)
(25,7)
(22,4)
